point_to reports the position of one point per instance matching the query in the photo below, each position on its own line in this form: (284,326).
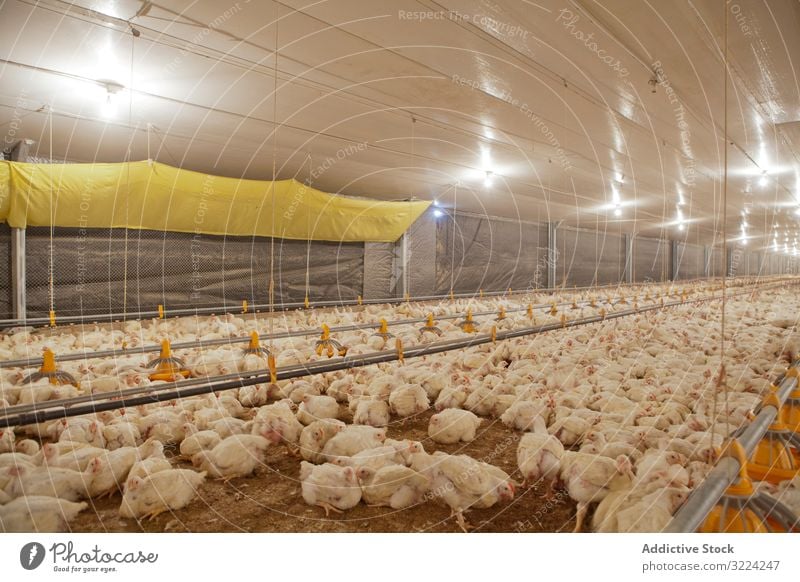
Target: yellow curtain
(149,195)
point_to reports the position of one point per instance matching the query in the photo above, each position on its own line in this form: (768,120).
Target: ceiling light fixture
(113,89)
(487,181)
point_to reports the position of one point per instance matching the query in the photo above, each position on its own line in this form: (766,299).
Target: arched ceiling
(604,114)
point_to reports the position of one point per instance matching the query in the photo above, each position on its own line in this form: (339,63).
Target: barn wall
(91,273)
(474,252)
(650,259)
(589,257)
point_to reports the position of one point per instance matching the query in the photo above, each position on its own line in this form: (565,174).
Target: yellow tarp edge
(153,196)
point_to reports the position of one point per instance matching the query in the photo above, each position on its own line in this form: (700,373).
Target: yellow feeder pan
(733,513)
(501,315)
(430,325)
(383,330)
(168,368)
(553,309)
(329,345)
(468,325)
(49,370)
(255,348)
(776,457)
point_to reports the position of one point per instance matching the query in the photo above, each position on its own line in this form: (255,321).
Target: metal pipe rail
(236,308)
(51,410)
(154,348)
(703,499)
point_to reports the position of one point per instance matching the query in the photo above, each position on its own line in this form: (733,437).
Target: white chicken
(329,486)
(6,440)
(450,397)
(453,425)
(408,399)
(352,440)
(159,492)
(589,478)
(145,467)
(396,486)
(198,440)
(462,483)
(37,513)
(278,423)
(371,412)
(121,434)
(109,471)
(48,481)
(539,456)
(317,408)
(236,456)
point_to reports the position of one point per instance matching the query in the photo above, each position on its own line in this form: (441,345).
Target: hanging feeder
(383,331)
(553,309)
(329,345)
(743,510)
(430,325)
(255,348)
(168,368)
(776,457)
(467,325)
(49,370)
(501,314)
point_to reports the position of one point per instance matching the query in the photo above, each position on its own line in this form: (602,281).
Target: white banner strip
(401,557)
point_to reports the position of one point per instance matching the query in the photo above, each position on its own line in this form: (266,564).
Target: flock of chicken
(625,413)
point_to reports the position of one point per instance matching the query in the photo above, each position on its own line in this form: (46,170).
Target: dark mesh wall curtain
(181,270)
(589,257)
(490,254)
(5,272)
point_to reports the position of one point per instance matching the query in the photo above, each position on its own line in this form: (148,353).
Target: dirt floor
(270,500)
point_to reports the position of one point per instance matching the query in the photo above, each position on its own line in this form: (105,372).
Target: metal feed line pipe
(77,356)
(703,499)
(236,308)
(51,410)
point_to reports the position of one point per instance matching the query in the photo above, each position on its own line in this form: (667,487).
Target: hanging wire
(308,228)
(51,267)
(406,259)
(721,381)
(453,251)
(272,185)
(128,186)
